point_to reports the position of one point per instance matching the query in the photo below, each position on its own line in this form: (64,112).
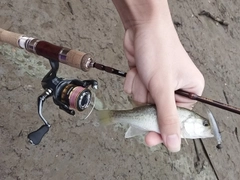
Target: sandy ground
(76,149)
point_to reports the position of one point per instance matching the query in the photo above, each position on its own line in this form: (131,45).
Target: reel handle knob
(35,137)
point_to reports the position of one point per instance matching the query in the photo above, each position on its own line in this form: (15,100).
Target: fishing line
(93,106)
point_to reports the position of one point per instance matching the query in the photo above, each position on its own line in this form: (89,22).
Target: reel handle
(35,137)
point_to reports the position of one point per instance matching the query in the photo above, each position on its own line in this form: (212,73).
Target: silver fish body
(144,119)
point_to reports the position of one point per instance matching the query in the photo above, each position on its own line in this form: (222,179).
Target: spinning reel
(67,95)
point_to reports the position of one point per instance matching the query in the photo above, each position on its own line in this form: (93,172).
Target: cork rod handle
(9,37)
(66,56)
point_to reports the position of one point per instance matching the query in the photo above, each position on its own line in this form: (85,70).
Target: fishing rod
(85,62)
(73,58)
(73,94)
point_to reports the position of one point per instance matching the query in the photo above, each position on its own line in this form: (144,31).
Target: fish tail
(105,117)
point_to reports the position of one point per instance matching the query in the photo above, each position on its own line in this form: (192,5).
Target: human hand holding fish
(143,119)
(159,66)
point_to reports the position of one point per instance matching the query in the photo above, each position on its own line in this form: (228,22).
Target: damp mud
(83,149)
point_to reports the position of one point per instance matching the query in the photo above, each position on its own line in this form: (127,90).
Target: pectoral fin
(133,131)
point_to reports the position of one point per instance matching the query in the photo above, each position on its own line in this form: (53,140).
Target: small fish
(144,119)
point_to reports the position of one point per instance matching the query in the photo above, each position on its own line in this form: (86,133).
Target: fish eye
(205,123)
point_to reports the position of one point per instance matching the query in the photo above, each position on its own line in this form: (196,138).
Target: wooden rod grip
(73,58)
(9,37)
(78,60)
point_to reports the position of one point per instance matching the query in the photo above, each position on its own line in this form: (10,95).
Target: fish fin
(133,131)
(105,117)
(99,104)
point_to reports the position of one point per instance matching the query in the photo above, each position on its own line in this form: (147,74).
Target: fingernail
(173,143)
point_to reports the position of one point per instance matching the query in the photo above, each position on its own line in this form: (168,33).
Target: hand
(159,65)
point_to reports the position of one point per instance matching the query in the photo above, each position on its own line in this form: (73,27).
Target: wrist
(135,13)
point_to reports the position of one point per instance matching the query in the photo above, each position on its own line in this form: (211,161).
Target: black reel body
(67,95)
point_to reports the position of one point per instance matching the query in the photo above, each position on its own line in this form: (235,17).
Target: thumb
(168,120)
